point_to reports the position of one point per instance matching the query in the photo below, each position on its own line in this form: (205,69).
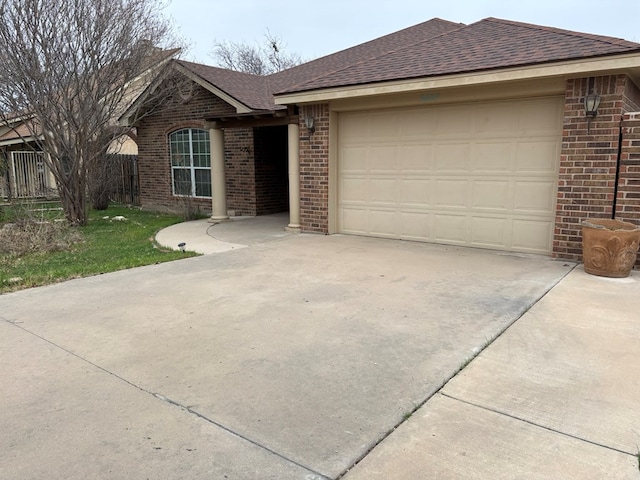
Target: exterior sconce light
(591,104)
(310,123)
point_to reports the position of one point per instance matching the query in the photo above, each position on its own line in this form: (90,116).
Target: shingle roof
(250,90)
(256,91)
(324,66)
(488,44)
(432,48)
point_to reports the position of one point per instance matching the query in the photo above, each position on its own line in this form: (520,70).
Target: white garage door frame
(478,174)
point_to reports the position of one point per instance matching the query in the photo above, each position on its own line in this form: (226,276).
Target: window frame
(188,164)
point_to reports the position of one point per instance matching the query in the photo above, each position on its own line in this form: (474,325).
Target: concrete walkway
(323,357)
(556,396)
(202,236)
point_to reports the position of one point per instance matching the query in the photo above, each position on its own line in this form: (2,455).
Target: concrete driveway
(290,359)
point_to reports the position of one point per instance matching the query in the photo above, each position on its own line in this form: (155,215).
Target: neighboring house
(26,174)
(23,171)
(468,135)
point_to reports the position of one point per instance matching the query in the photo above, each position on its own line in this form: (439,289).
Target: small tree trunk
(73,200)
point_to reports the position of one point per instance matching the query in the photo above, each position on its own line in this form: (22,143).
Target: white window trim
(192,169)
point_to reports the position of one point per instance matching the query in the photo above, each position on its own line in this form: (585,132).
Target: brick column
(314,170)
(588,161)
(628,198)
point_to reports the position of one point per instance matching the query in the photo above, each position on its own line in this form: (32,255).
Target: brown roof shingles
(485,45)
(250,90)
(432,48)
(256,92)
(324,66)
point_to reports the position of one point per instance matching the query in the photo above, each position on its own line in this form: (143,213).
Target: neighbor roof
(488,44)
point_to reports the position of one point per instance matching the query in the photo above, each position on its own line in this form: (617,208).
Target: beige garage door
(479,174)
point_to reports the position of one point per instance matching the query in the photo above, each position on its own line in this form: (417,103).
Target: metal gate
(31,175)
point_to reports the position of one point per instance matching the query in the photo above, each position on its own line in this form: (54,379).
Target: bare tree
(264,59)
(70,67)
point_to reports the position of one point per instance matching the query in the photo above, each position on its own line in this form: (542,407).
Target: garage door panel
(453,121)
(451,193)
(531,236)
(414,123)
(492,157)
(354,189)
(453,157)
(489,231)
(415,191)
(356,130)
(539,117)
(354,221)
(353,160)
(480,174)
(383,126)
(383,159)
(450,229)
(416,158)
(537,156)
(383,223)
(490,195)
(534,197)
(414,226)
(496,120)
(383,190)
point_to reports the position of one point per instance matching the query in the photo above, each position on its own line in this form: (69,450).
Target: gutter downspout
(618,161)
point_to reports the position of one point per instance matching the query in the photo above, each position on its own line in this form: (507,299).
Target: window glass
(190,162)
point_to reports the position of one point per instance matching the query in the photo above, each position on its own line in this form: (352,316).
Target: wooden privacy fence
(29,177)
(126,184)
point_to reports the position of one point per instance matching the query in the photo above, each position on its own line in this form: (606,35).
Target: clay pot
(609,247)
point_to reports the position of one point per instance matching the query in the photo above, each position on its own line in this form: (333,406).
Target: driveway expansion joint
(318,475)
(538,425)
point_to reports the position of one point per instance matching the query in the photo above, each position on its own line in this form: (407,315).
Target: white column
(294,177)
(218,185)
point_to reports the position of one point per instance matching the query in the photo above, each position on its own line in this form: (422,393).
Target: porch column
(294,177)
(218,184)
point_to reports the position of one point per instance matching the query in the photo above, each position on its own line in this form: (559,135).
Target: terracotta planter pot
(609,247)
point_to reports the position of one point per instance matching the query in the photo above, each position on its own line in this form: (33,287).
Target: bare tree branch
(257,59)
(72,66)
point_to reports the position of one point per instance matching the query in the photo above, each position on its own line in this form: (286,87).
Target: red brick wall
(588,160)
(240,171)
(628,198)
(154,163)
(314,170)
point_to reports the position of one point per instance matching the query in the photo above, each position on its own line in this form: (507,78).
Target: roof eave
(629,63)
(17,141)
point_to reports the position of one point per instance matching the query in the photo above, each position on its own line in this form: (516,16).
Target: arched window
(190,162)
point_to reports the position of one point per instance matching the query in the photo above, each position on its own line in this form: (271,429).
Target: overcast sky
(313,28)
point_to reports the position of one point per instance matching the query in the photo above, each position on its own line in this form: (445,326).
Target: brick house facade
(255,158)
(591,183)
(588,179)
(597,167)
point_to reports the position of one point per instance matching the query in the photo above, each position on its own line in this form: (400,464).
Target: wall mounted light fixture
(591,104)
(310,123)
